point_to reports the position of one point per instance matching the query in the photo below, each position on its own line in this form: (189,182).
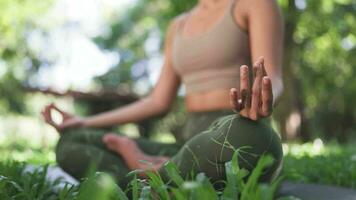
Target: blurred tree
(16,61)
(131,35)
(319,69)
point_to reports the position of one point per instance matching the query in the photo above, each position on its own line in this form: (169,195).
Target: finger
(233,98)
(46,115)
(65,125)
(108,136)
(53,106)
(245,86)
(70,123)
(235,102)
(49,121)
(50,106)
(262,61)
(267,97)
(47,108)
(256,91)
(64,114)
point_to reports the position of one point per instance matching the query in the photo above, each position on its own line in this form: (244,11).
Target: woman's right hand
(257,101)
(68,120)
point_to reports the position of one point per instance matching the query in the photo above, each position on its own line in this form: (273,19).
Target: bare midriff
(208,101)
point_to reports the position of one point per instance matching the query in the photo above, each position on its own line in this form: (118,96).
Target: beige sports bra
(211,60)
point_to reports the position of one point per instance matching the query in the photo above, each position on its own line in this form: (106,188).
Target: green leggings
(206,151)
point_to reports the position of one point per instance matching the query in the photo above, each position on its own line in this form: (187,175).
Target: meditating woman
(206,50)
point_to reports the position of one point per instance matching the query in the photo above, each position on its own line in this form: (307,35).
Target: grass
(22,152)
(312,162)
(332,164)
(16,183)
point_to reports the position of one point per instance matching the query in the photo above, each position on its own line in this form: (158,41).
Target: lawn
(315,162)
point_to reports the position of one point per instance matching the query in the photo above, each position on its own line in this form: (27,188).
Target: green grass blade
(249,192)
(158,185)
(134,188)
(173,173)
(145,193)
(231,189)
(178,194)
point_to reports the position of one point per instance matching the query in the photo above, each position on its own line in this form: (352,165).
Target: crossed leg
(133,156)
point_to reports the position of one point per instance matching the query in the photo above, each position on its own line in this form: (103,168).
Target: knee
(66,146)
(72,159)
(63,152)
(76,131)
(75,135)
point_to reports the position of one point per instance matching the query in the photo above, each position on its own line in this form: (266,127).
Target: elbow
(163,108)
(161,105)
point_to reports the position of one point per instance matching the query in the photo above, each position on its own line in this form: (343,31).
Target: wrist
(85,123)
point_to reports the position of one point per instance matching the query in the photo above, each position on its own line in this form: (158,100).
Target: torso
(208,101)
(200,21)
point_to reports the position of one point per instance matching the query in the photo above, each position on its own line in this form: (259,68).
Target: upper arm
(168,83)
(264,24)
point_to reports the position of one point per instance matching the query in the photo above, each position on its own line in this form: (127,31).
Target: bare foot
(134,157)
(118,143)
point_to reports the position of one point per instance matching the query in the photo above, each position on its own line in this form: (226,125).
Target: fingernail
(244,69)
(239,104)
(265,80)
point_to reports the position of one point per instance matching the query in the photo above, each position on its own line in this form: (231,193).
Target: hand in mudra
(257,101)
(68,120)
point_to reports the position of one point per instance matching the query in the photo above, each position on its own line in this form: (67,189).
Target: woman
(204,50)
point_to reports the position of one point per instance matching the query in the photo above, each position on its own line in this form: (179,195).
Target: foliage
(319,71)
(21,151)
(129,35)
(16,61)
(311,162)
(16,183)
(202,188)
(334,164)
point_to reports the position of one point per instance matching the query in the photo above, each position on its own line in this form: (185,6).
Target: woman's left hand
(68,120)
(257,101)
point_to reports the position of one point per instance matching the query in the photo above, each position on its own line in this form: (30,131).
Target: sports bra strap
(233,6)
(181,22)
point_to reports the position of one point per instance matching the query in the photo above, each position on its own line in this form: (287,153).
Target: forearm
(134,112)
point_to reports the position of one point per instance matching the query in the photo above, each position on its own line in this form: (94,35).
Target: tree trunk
(289,113)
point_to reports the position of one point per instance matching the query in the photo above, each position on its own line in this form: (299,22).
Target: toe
(108,137)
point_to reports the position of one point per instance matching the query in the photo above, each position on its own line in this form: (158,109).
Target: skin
(260,19)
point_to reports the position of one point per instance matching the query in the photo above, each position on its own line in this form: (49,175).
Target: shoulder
(246,11)
(174,25)
(177,22)
(173,28)
(255,7)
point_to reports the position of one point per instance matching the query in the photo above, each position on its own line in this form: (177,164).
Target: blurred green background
(89,56)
